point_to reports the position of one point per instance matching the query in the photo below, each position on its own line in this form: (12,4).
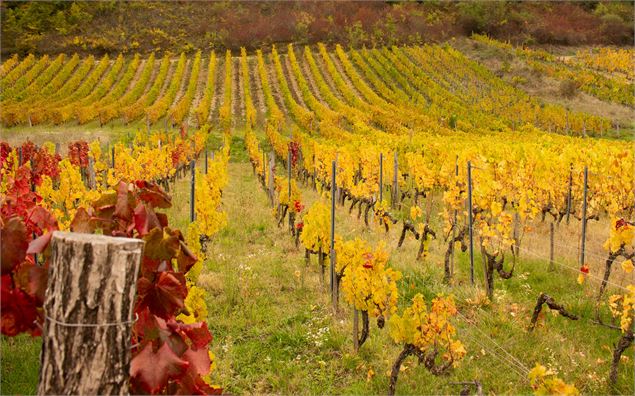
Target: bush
(615,29)
(568,88)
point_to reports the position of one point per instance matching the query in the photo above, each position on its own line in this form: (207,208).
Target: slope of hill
(113,27)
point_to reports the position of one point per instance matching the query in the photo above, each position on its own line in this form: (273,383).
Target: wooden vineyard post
(381,177)
(291,206)
(551,237)
(333,277)
(456,173)
(206,160)
(471,219)
(395,185)
(89,314)
(314,175)
(82,174)
(91,177)
(584,221)
(192,190)
(272,162)
(264,169)
(569,193)
(289,175)
(112,157)
(337,188)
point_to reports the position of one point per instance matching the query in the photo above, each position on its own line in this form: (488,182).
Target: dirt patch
(293,84)
(517,72)
(238,95)
(310,80)
(257,95)
(275,88)
(201,85)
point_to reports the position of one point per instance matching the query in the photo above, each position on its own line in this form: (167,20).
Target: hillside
(114,27)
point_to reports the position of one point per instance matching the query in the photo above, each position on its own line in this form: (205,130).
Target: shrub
(568,88)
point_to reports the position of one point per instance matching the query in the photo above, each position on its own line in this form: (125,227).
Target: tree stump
(89,314)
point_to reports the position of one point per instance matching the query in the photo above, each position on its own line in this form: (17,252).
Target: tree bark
(551,303)
(407,226)
(89,314)
(292,223)
(394,373)
(307,257)
(284,208)
(625,341)
(321,263)
(605,279)
(365,328)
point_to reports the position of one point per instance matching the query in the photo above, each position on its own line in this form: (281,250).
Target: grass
(20,361)
(63,134)
(274,331)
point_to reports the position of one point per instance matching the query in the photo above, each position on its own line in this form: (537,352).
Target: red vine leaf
(106,201)
(145,219)
(198,333)
(124,204)
(199,360)
(32,279)
(43,219)
(161,245)
(152,370)
(194,385)
(163,219)
(154,195)
(40,243)
(15,242)
(185,258)
(165,295)
(19,313)
(82,222)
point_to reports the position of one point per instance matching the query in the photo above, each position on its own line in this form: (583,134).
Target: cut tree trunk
(89,314)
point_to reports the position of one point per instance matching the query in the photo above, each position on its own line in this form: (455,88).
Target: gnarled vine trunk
(625,341)
(408,350)
(365,328)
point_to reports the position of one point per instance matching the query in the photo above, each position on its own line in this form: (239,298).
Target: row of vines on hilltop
(396,90)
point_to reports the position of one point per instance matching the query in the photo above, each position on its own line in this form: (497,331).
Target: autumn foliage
(169,356)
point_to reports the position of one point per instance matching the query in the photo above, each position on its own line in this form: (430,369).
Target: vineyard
(321,219)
